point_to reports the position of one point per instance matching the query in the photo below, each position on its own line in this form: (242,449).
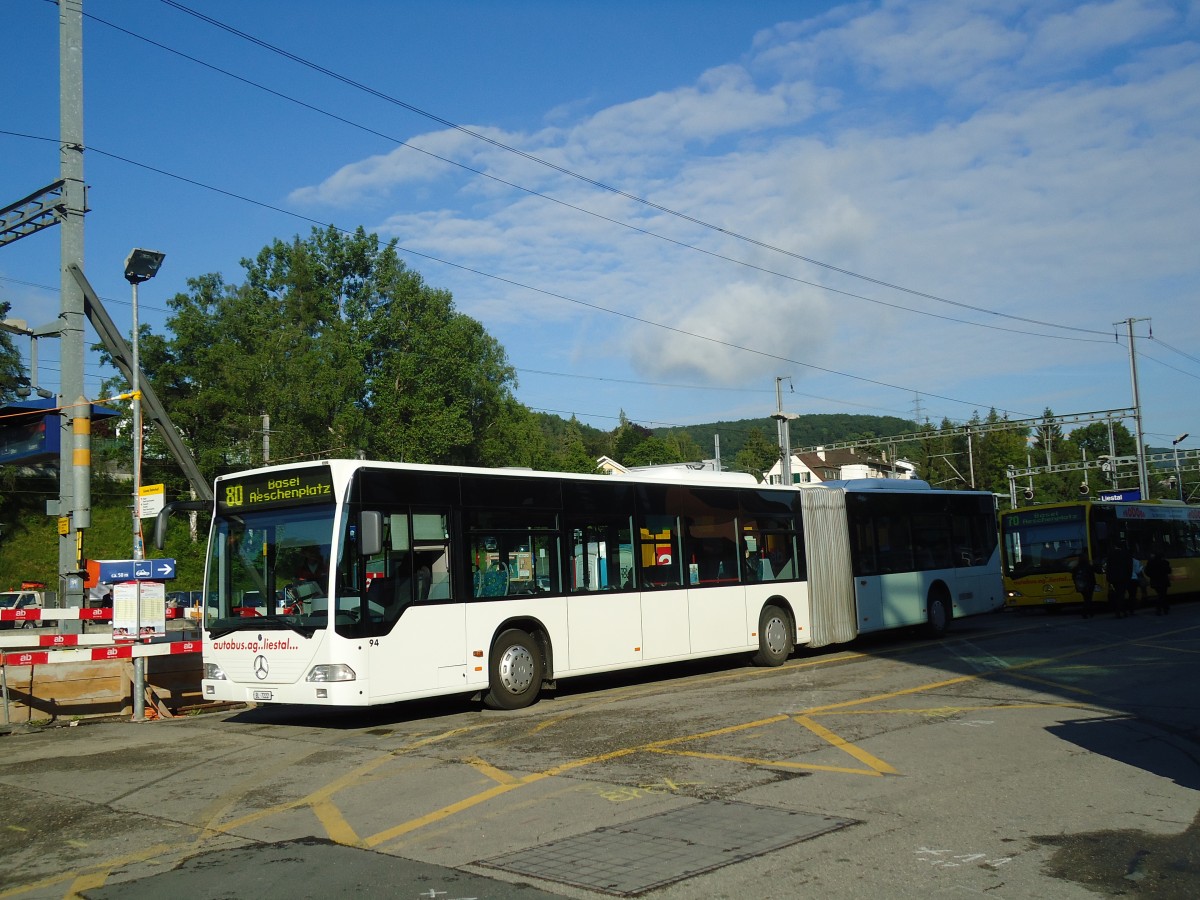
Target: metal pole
(1112,454)
(139,672)
(70,161)
(1178,473)
(785,435)
(1143,479)
(971,458)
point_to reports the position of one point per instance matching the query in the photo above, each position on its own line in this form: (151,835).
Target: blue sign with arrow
(114,570)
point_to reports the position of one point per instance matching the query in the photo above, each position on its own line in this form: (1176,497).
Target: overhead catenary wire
(603,186)
(632,197)
(575,207)
(554,294)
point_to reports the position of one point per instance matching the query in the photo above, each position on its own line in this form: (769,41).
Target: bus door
(664,599)
(416,639)
(603,610)
(716,595)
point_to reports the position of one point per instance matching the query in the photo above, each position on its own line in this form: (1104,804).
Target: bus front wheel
(514,671)
(775,640)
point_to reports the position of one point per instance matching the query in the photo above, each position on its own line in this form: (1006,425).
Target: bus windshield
(270,569)
(1043,541)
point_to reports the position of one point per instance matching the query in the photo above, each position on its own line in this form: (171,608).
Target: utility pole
(71,518)
(785,431)
(1143,478)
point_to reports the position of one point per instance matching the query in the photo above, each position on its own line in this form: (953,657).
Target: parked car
(180,601)
(20,600)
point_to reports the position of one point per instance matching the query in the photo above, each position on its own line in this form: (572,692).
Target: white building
(840,465)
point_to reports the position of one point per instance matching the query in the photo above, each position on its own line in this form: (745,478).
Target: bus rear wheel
(514,671)
(775,637)
(937,618)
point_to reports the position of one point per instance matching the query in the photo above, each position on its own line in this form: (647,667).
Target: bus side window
(711,550)
(601,556)
(770,555)
(513,552)
(658,548)
(431,556)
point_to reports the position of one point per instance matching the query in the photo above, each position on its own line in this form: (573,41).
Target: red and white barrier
(74,647)
(98,614)
(62,653)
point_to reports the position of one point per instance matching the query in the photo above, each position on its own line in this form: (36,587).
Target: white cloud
(941,147)
(1080,34)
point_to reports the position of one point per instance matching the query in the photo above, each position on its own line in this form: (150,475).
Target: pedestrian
(1158,571)
(1118,569)
(1084,577)
(1140,583)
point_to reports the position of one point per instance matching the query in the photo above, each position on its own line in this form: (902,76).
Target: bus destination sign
(314,485)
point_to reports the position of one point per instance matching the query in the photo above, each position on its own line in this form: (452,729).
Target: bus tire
(775,637)
(937,613)
(514,671)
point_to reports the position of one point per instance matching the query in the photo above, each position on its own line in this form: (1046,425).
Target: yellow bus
(1043,544)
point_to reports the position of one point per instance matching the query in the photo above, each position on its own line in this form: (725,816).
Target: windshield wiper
(221,627)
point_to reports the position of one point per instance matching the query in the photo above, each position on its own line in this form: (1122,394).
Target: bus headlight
(213,672)
(331,672)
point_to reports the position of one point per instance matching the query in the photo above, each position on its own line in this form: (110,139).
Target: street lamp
(1175,447)
(140,265)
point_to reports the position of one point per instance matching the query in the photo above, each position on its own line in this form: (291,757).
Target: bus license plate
(263,695)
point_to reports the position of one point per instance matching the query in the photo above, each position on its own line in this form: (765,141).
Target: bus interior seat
(495,581)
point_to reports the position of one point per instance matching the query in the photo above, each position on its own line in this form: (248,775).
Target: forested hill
(806,431)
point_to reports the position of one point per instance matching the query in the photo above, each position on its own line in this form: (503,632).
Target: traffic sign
(115,570)
(151,499)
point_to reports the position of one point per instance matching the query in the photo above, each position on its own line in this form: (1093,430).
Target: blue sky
(892,204)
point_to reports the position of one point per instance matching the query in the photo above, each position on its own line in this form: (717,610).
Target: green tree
(1093,439)
(653,451)
(346,351)
(996,450)
(683,445)
(12,372)
(1048,439)
(758,454)
(1096,440)
(626,437)
(571,452)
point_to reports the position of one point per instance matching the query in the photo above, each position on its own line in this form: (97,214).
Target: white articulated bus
(350,583)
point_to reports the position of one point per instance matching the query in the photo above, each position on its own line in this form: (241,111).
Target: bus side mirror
(370,533)
(1083,489)
(1028,493)
(164,516)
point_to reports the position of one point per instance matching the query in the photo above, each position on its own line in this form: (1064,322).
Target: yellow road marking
(98,871)
(322,797)
(484,768)
(769,763)
(335,823)
(1024,676)
(844,745)
(948,710)
(438,815)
